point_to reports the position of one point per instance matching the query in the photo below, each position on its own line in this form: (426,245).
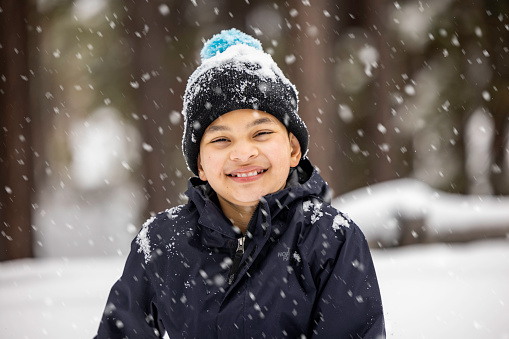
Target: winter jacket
(302,270)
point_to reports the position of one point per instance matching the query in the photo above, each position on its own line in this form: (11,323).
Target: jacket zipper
(236,260)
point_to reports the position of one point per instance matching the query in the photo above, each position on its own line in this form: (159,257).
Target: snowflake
(296,256)
(173,212)
(317,213)
(143,240)
(339,221)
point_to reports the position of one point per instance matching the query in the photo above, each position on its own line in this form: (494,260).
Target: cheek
(283,153)
(281,161)
(210,165)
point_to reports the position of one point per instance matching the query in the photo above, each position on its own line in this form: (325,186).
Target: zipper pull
(236,260)
(240,245)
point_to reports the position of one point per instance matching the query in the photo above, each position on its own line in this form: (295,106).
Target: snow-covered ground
(446,291)
(429,291)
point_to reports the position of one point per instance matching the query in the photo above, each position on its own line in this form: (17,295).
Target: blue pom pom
(220,42)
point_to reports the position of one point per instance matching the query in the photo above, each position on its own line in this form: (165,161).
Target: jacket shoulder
(158,229)
(323,215)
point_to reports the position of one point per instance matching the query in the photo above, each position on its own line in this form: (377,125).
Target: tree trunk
(314,80)
(497,36)
(381,129)
(15,133)
(160,85)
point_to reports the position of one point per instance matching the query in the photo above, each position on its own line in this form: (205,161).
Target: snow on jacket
(305,271)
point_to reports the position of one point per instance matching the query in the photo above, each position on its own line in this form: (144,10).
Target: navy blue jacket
(304,271)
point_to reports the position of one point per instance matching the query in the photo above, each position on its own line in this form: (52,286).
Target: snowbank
(380,210)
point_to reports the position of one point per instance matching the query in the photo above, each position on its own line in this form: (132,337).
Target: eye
(262,133)
(218,140)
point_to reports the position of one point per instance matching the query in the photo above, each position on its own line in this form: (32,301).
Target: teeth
(245,175)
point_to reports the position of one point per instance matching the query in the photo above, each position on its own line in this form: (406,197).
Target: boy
(257,252)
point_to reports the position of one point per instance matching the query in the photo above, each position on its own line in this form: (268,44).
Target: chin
(252,200)
(249,200)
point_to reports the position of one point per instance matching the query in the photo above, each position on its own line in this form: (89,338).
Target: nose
(243,151)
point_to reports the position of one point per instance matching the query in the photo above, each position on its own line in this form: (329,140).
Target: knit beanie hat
(236,73)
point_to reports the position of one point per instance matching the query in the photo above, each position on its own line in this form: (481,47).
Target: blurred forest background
(91,93)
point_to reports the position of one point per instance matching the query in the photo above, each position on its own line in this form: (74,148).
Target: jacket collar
(303,181)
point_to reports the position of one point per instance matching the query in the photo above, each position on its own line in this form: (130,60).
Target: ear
(201,172)
(295,151)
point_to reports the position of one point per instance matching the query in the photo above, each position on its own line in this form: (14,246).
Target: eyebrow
(261,121)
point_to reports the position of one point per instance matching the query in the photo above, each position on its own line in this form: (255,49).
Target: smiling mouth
(246,174)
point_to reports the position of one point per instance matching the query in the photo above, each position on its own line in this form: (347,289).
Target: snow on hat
(236,73)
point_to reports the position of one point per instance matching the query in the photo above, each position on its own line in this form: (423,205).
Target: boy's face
(246,154)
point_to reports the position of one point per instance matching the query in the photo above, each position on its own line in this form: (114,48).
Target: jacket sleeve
(348,303)
(130,310)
